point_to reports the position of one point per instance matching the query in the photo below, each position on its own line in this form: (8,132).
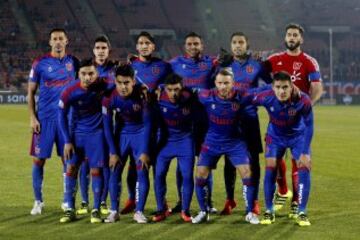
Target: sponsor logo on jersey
(61,104)
(297,65)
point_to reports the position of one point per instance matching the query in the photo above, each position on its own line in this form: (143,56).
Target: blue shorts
(132,144)
(276,146)
(236,152)
(42,143)
(182,148)
(91,146)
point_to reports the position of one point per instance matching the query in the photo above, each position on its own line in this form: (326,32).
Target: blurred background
(332,33)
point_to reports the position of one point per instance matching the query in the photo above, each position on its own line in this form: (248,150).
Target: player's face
(293,39)
(145,47)
(124,85)
(282,89)
(224,85)
(173,91)
(194,47)
(239,46)
(101,51)
(58,42)
(88,75)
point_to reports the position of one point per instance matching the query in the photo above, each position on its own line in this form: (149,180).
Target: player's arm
(316,91)
(107,114)
(144,157)
(308,117)
(34,122)
(64,106)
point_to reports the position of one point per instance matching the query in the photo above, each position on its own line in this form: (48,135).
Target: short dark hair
(102,38)
(226,71)
(282,76)
(87,62)
(57,30)
(239,34)
(147,35)
(172,78)
(295,26)
(125,70)
(192,34)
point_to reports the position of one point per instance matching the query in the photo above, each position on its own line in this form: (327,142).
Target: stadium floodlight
(330,30)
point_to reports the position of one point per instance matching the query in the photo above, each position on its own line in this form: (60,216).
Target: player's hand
(113,161)
(68,151)
(35,125)
(305,161)
(158,93)
(296,92)
(131,57)
(145,160)
(144,91)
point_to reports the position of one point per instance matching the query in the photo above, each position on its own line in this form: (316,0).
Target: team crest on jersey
(185,111)
(155,70)
(297,65)
(213,106)
(235,107)
(292,112)
(69,67)
(136,107)
(249,69)
(202,66)
(164,109)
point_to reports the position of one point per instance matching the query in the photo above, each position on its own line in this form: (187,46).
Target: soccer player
(131,137)
(87,140)
(305,74)
(50,74)
(247,73)
(290,126)
(105,69)
(175,117)
(149,72)
(197,71)
(224,106)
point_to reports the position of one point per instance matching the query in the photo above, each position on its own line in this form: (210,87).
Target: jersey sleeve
(314,70)
(64,106)
(34,75)
(107,114)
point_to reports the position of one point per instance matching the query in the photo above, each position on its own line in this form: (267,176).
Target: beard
(293,46)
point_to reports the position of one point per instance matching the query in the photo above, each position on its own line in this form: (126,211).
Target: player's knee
(71,170)
(304,164)
(244,171)
(95,172)
(39,162)
(202,172)
(271,162)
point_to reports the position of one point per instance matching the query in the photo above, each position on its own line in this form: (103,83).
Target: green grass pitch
(334,208)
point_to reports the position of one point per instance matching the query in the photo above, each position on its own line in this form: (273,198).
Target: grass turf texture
(334,207)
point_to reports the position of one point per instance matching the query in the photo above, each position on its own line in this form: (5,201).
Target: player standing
(305,74)
(197,71)
(50,74)
(87,140)
(131,136)
(290,126)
